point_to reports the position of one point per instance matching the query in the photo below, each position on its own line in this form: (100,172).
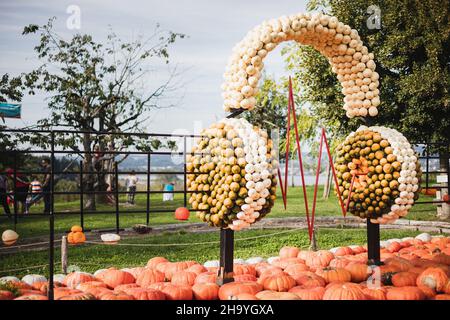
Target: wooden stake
(64,247)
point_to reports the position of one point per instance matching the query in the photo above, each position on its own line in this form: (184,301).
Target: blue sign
(10,110)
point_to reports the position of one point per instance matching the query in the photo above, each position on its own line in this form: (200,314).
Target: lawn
(33,226)
(90,257)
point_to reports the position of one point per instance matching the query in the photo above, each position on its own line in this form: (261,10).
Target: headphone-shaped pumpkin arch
(341,44)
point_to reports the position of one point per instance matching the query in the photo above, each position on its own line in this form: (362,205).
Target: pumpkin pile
(349,58)
(76,235)
(414,269)
(232,174)
(384,170)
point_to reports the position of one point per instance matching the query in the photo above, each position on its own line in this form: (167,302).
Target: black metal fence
(54,150)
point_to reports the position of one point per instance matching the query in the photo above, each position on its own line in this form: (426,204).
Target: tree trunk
(292,173)
(90,178)
(444,212)
(327,183)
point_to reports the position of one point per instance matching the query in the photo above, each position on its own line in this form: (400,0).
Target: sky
(213,27)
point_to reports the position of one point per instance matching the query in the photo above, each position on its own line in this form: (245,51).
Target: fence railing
(84,176)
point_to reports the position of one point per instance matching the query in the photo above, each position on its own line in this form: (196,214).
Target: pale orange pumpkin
(73,279)
(149,276)
(232,289)
(174,292)
(308,293)
(154,262)
(183,278)
(205,291)
(434,278)
(113,277)
(145,294)
(294,269)
(289,252)
(319,259)
(206,277)
(404,293)
(344,291)
(375,293)
(275,295)
(309,279)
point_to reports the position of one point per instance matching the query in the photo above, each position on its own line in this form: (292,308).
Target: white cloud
(213,28)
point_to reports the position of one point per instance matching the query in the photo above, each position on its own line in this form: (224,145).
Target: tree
(412,53)
(96,87)
(11,90)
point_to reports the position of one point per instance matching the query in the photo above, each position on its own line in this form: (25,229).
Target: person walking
(168,196)
(35,193)
(3,193)
(131,183)
(47,185)
(20,191)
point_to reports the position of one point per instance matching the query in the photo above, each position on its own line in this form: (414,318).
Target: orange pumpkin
(275,295)
(90,284)
(344,291)
(98,292)
(334,274)
(359,271)
(174,292)
(309,279)
(116,296)
(158,285)
(205,291)
(375,293)
(183,278)
(76,235)
(285,262)
(398,264)
(73,279)
(244,278)
(442,297)
(319,259)
(113,277)
(64,291)
(148,277)
(405,293)
(244,296)
(434,278)
(289,252)
(404,279)
(343,251)
(206,277)
(145,294)
(339,262)
(279,282)
(197,269)
(244,269)
(232,289)
(79,296)
(294,269)
(182,213)
(308,293)
(125,287)
(154,262)
(174,267)
(394,247)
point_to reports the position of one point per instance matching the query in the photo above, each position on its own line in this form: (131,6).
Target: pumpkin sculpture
(378,174)
(76,235)
(232,174)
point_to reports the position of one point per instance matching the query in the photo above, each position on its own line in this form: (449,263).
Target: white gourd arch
(341,44)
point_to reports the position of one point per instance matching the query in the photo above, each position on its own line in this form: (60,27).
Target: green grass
(90,257)
(34,226)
